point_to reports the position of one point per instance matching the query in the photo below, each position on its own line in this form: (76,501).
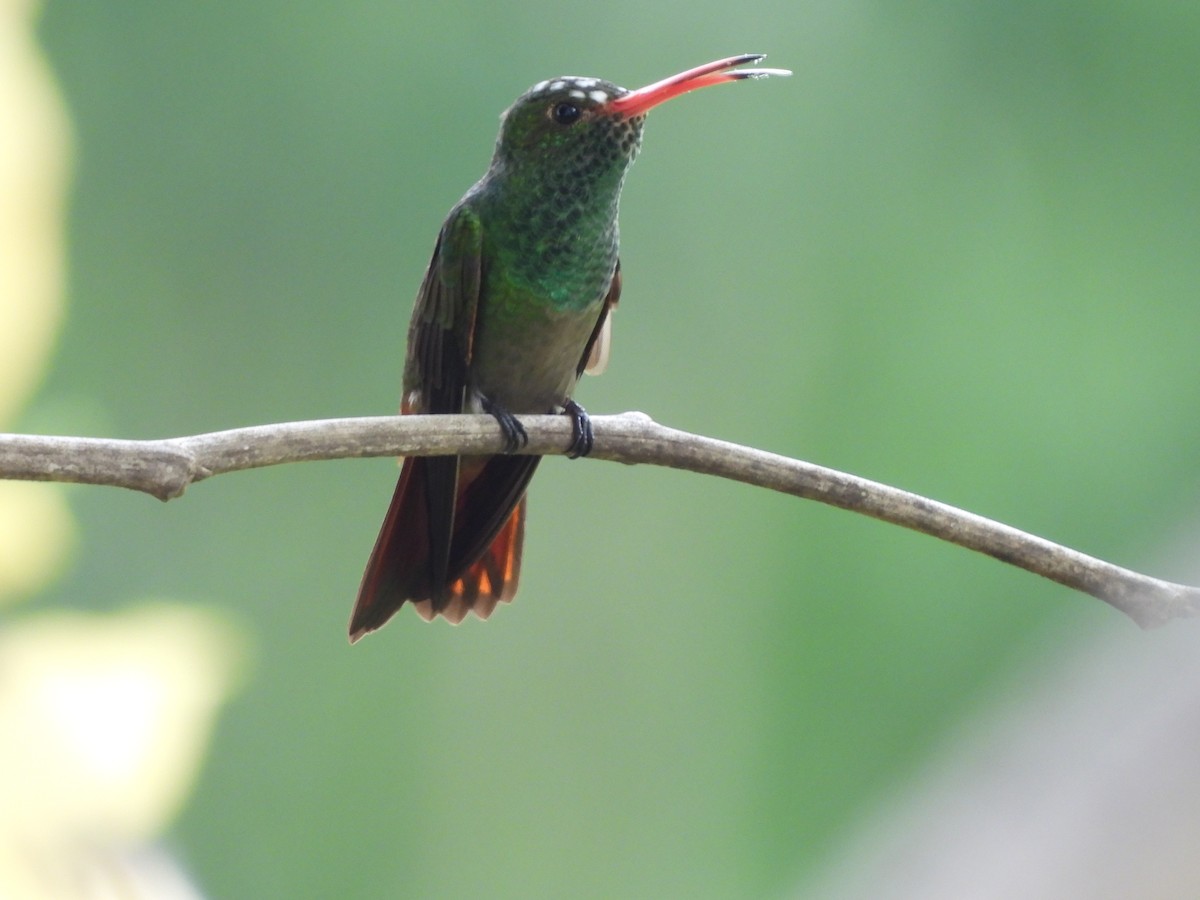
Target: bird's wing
(595,355)
(440,341)
(442,331)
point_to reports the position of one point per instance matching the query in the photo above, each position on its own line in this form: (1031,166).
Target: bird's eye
(566,113)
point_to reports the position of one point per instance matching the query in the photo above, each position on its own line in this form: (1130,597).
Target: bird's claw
(514,432)
(582,438)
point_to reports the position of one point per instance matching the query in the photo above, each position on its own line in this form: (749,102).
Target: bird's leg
(514,432)
(581,430)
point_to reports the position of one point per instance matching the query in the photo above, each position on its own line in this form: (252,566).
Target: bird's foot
(581,430)
(514,432)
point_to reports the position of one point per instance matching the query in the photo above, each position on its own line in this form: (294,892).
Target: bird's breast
(527,349)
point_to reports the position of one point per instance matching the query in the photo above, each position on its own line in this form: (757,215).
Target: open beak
(637,102)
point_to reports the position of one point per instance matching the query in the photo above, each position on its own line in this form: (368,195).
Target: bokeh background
(957,252)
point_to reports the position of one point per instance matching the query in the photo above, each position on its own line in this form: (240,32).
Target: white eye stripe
(577,95)
(599,96)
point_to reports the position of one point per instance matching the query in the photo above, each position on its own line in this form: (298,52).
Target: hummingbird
(516,304)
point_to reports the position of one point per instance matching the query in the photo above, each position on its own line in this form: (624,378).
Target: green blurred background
(957,253)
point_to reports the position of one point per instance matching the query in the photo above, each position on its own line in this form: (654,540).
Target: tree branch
(165,468)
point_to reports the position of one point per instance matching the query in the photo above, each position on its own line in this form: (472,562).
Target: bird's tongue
(717,72)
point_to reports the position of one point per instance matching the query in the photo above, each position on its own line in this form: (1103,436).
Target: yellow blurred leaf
(33,178)
(104,720)
(36,531)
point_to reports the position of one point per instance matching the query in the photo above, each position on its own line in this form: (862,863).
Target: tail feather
(399,566)
(490,580)
(483,562)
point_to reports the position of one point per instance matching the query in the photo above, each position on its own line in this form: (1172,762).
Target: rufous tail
(480,567)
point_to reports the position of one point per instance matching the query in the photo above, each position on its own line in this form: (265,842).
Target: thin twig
(165,468)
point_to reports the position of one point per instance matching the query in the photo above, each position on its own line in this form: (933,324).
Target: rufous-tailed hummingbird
(516,304)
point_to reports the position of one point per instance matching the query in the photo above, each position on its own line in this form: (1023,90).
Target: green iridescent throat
(549,202)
